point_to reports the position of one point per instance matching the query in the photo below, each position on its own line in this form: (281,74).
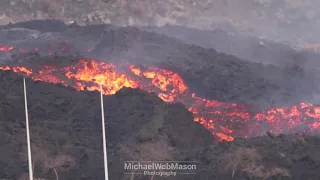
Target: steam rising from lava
(225,120)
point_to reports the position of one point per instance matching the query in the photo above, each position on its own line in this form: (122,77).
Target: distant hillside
(291,21)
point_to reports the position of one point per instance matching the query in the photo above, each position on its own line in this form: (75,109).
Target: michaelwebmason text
(159,166)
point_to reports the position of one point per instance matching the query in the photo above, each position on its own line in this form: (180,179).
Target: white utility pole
(106,174)
(28,132)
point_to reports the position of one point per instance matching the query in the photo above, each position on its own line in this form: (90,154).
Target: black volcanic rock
(245,47)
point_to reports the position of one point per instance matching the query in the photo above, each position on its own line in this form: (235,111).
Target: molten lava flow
(98,73)
(225,120)
(6,48)
(309,47)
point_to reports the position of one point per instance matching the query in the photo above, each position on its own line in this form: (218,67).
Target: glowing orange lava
(225,120)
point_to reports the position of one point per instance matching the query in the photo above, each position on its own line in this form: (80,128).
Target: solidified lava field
(165,100)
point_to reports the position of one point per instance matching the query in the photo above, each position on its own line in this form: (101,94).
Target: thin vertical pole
(28,132)
(106,174)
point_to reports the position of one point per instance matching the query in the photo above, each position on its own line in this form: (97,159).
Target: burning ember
(225,120)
